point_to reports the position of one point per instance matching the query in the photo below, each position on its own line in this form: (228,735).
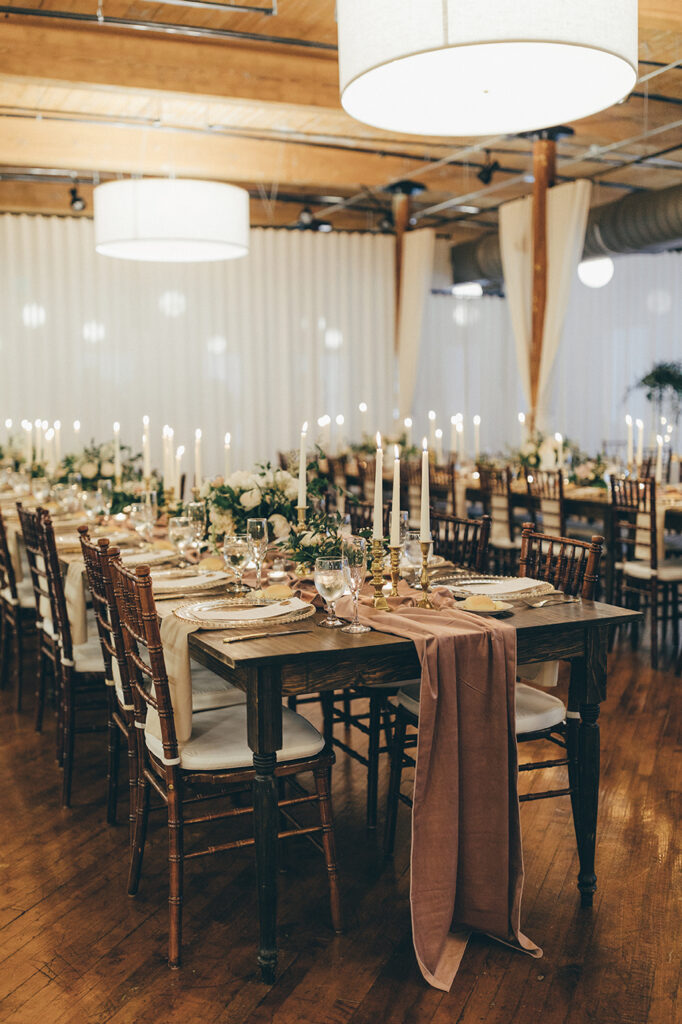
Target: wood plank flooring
(75,949)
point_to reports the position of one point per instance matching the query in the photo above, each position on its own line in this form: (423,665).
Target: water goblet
(330,581)
(180,534)
(41,488)
(105,488)
(257,530)
(412,552)
(237,553)
(196,513)
(355,554)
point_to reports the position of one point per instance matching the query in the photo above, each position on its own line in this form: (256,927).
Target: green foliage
(662,383)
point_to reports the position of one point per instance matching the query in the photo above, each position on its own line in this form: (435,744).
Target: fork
(552,599)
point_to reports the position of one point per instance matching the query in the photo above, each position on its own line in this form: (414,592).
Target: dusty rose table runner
(467,863)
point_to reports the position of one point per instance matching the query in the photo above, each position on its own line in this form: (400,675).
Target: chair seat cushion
(25,595)
(666,573)
(88,657)
(210,691)
(218,740)
(505,544)
(536,710)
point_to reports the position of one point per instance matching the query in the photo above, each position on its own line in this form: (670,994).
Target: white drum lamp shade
(483,67)
(169,220)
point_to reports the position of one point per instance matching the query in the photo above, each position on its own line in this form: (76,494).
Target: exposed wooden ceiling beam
(121,60)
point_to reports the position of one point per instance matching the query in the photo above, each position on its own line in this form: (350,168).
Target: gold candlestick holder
(117,482)
(147,483)
(301,569)
(377,568)
(424,580)
(395,569)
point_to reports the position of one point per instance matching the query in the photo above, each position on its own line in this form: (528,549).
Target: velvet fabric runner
(467,863)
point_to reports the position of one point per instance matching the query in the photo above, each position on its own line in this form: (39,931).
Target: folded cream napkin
(497,588)
(175,583)
(74,592)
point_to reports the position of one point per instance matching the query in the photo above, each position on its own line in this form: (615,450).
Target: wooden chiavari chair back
(633,503)
(362,516)
(497,501)
(546,491)
(30,529)
(463,542)
(8,580)
(17,611)
(571,566)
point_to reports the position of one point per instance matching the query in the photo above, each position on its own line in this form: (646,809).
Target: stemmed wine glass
(237,552)
(355,555)
(257,530)
(142,517)
(196,513)
(180,534)
(105,488)
(330,580)
(413,555)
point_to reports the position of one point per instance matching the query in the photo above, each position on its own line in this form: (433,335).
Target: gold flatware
(262,636)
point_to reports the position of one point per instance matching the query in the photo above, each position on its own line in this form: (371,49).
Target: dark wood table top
(332,644)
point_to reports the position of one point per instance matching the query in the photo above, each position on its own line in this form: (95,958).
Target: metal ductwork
(639,222)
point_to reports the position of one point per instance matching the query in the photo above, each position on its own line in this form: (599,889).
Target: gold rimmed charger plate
(459,587)
(189,613)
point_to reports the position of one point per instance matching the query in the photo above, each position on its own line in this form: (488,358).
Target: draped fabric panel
(612,336)
(567,209)
(301,327)
(415,282)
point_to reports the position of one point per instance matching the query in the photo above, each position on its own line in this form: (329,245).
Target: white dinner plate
(500,608)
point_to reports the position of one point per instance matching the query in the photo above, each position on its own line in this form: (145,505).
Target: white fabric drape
(567,209)
(301,327)
(467,362)
(415,284)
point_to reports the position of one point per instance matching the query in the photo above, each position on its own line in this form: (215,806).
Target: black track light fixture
(307,221)
(485,175)
(77,203)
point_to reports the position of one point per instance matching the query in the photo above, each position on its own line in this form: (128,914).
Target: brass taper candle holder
(395,569)
(424,580)
(301,569)
(377,568)
(147,483)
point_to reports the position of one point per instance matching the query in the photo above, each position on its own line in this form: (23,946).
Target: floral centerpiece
(591,472)
(542,452)
(96,462)
(320,537)
(266,493)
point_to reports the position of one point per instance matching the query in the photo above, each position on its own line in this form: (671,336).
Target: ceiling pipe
(640,222)
(137,25)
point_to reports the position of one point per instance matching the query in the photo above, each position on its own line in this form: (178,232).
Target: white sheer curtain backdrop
(415,282)
(301,327)
(567,209)
(611,337)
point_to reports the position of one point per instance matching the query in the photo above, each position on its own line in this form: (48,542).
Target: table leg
(264,710)
(587,691)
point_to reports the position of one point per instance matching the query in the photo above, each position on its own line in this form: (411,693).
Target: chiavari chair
(546,493)
(17,617)
(638,550)
(464,542)
(461,541)
(212,763)
(571,566)
(81,670)
(496,493)
(48,642)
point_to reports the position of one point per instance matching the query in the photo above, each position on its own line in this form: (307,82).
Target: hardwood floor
(75,949)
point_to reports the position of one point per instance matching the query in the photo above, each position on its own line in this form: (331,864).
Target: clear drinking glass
(404,525)
(105,489)
(412,552)
(330,580)
(346,528)
(41,488)
(237,552)
(355,555)
(142,517)
(92,503)
(180,533)
(196,513)
(257,530)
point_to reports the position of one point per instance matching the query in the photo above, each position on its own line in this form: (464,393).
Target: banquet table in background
(322,660)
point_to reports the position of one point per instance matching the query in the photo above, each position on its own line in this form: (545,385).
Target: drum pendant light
(171,220)
(483,67)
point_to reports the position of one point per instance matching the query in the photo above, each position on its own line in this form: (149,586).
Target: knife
(262,636)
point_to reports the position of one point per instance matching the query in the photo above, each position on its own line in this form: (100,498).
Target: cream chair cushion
(667,573)
(25,594)
(209,691)
(218,740)
(535,710)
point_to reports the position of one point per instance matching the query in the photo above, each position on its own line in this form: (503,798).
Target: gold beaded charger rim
(188,613)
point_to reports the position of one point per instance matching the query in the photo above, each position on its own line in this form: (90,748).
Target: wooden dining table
(268,670)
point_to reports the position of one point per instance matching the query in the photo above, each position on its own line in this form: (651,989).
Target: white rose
(107,469)
(239,480)
(88,470)
(291,490)
(547,453)
(280,526)
(107,451)
(249,499)
(267,478)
